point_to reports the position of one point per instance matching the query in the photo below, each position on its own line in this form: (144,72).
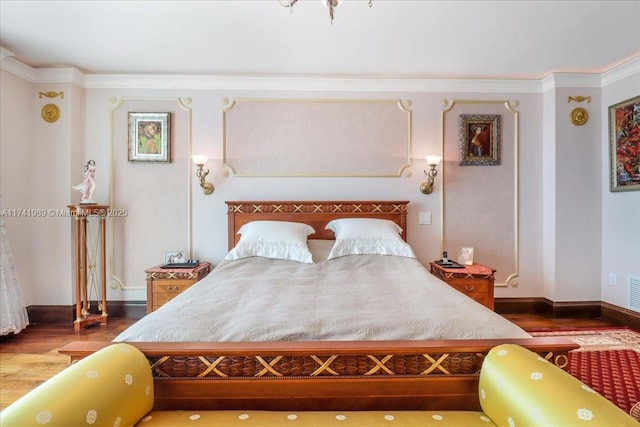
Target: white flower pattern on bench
(116,390)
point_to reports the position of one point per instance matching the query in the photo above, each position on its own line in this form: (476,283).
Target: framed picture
(174,256)
(624,145)
(479,139)
(149,137)
(465,255)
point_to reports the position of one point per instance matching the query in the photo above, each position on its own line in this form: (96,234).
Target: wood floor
(42,338)
(536,322)
(30,357)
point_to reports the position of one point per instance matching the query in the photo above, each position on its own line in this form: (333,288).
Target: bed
(261,333)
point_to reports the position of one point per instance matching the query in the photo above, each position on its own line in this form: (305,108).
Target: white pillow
(367,236)
(275,240)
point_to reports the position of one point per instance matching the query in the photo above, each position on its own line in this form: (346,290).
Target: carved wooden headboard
(315,213)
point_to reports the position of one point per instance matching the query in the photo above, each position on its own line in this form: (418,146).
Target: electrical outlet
(612,279)
(425,218)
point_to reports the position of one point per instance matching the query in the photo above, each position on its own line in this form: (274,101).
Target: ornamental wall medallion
(50,113)
(579,116)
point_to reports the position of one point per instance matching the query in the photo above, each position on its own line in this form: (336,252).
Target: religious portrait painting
(479,139)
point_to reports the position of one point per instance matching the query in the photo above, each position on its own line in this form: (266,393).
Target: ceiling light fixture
(330,4)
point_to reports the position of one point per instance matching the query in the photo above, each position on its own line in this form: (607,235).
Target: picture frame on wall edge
(624,145)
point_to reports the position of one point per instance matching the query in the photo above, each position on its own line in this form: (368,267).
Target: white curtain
(13,313)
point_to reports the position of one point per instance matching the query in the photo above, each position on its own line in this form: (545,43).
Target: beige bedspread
(361,297)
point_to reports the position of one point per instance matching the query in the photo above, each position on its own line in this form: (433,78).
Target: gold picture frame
(479,139)
(624,145)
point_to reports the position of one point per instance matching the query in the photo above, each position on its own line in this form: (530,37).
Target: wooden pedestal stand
(86,262)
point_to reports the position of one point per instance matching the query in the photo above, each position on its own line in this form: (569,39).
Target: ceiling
(391,39)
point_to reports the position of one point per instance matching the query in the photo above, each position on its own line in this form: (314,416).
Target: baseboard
(66,313)
(621,315)
(576,309)
(48,314)
(539,305)
(534,305)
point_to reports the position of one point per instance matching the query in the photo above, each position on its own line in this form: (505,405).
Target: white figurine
(88,186)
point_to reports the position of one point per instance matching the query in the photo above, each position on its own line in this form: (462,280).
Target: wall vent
(634,293)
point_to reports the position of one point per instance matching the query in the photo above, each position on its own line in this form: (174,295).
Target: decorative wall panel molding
(480,203)
(317,137)
(138,242)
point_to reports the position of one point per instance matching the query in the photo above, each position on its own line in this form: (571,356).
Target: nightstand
(164,284)
(475,281)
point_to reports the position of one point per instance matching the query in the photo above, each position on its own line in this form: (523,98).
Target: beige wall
(90,134)
(17,185)
(620,249)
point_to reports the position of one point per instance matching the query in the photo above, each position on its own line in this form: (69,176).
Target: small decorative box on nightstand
(475,281)
(164,284)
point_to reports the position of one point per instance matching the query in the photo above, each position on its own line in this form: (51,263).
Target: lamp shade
(199,159)
(433,160)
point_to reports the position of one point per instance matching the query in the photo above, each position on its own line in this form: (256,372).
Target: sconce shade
(199,159)
(433,160)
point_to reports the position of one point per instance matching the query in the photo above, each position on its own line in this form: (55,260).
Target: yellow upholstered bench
(519,388)
(114,387)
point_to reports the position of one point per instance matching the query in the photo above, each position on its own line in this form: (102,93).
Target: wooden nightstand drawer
(470,286)
(475,281)
(165,284)
(161,299)
(171,286)
(477,289)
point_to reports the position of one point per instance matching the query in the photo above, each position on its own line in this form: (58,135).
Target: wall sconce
(433,162)
(201,173)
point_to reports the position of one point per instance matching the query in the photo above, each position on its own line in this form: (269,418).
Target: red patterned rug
(608,360)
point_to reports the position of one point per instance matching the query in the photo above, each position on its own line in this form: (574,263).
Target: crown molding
(621,71)
(264,83)
(12,65)
(40,75)
(297,83)
(61,75)
(316,83)
(4,53)
(559,80)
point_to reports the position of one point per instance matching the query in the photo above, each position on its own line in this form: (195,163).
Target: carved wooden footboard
(321,375)
(353,375)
